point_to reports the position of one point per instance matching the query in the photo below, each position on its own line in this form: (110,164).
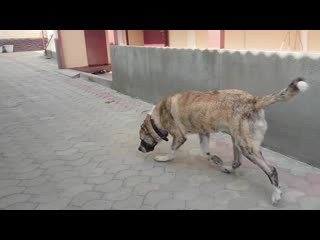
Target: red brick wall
(24,44)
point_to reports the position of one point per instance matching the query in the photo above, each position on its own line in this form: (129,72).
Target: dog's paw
(276,196)
(215,160)
(164,158)
(227,170)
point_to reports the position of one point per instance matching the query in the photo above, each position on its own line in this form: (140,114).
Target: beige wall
(263,39)
(135,37)
(188,38)
(4,34)
(313,40)
(74,48)
(268,40)
(201,38)
(178,38)
(234,39)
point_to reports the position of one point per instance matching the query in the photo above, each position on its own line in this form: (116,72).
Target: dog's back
(200,112)
(210,111)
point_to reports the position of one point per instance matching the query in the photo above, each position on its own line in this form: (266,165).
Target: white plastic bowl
(9,48)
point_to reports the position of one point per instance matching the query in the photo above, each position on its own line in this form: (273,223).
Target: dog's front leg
(176,143)
(214,160)
(204,143)
(237,156)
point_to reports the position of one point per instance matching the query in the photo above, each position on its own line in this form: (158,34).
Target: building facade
(89,50)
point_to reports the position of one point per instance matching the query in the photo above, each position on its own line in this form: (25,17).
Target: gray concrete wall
(294,127)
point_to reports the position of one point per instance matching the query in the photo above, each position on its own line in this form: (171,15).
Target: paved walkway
(72,144)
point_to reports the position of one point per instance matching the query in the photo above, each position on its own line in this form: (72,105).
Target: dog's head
(147,136)
(150,135)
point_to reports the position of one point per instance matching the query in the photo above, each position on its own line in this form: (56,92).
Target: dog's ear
(145,111)
(149,112)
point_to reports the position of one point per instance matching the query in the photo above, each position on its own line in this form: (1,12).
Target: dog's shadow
(259,187)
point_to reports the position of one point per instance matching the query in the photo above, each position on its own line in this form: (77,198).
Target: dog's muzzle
(145,147)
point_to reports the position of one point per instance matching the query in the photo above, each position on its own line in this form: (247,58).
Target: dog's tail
(296,86)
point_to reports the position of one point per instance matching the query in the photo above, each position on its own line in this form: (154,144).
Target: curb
(106,82)
(97,79)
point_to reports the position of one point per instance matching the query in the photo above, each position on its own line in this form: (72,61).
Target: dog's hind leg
(237,156)
(249,139)
(236,160)
(214,160)
(254,154)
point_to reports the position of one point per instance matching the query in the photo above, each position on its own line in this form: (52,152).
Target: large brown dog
(232,111)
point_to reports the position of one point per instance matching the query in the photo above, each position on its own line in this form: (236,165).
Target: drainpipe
(127,37)
(304,39)
(44,46)
(191,39)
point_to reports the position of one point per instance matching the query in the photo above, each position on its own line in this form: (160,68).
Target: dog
(232,111)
